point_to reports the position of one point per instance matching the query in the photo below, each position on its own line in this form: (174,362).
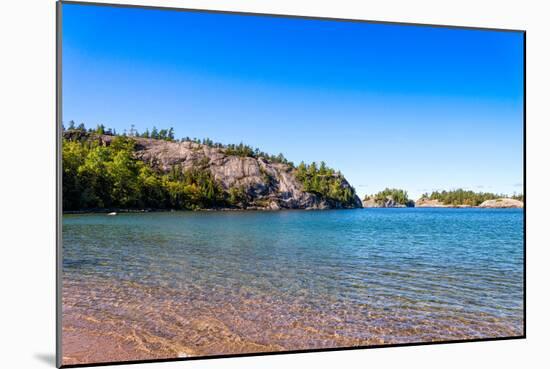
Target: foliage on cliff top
(240,149)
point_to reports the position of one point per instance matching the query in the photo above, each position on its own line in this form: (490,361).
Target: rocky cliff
(267,184)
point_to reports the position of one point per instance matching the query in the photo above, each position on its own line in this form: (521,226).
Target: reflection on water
(163,285)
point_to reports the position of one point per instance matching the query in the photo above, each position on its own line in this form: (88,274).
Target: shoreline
(267,210)
(137,211)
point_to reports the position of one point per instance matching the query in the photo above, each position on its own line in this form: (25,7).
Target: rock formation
(502,203)
(268,184)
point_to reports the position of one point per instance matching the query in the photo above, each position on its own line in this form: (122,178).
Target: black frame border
(59,192)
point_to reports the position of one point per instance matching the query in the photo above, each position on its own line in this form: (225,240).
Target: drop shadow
(46,358)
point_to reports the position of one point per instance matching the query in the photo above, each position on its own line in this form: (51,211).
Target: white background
(27,183)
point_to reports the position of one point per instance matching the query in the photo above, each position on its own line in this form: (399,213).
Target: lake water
(161,285)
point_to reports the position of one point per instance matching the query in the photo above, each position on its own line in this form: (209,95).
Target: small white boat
(113,213)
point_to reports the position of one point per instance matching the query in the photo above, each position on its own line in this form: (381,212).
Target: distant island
(153,170)
(459,198)
(466,199)
(388,198)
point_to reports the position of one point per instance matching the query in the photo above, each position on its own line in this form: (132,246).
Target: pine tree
(155,133)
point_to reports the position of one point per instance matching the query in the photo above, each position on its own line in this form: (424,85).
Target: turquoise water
(203,283)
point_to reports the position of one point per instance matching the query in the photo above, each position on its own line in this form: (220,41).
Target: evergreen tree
(155,133)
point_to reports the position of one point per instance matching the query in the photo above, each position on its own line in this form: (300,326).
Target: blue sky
(419,108)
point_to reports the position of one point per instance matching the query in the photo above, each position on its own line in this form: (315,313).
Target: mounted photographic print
(239,184)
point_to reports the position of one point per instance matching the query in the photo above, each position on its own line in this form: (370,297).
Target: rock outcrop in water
(501,204)
(429,203)
(387,203)
(267,184)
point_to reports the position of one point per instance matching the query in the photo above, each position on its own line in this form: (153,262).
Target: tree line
(452,197)
(240,149)
(466,197)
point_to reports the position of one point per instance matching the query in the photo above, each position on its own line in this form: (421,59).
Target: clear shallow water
(155,285)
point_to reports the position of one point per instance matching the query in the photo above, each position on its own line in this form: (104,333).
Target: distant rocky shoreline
(501,203)
(456,198)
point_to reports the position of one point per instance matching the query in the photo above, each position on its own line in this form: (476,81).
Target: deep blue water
(298,279)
